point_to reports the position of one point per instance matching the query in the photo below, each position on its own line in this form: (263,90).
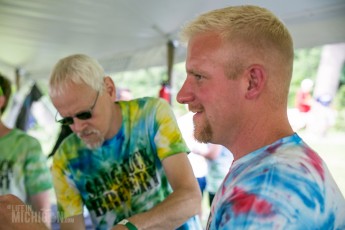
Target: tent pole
(18,76)
(171,52)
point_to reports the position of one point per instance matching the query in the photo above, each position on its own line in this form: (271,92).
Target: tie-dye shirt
(285,185)
(24,170)
(125,175)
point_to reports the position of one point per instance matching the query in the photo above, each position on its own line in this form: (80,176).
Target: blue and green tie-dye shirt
(285,185)
(124,176)
(24,171)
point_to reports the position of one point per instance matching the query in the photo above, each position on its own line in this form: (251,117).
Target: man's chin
(93,146)
(202,137)
(203,134)
(92,140)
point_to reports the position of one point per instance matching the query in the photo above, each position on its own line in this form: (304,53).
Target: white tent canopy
(127,34)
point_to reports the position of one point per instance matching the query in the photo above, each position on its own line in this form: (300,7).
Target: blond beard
(203,133)
(96,142)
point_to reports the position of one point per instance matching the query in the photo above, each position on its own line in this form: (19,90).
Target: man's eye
(197,76)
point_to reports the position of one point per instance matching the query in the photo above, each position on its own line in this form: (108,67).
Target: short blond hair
(258,31)
(251,24)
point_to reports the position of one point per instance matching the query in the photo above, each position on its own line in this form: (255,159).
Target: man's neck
(259,134)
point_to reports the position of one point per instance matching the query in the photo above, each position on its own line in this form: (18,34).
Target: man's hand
(119,227)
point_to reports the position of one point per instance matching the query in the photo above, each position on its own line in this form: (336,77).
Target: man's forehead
(68,87)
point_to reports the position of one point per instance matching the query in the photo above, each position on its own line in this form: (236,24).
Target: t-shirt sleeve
(37,174)
(68,198)
(168,138)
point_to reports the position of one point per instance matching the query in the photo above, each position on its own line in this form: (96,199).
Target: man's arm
(67,196)
(178,207)
(72,223)
(41,203)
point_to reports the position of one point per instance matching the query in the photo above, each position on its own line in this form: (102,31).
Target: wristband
(128,224)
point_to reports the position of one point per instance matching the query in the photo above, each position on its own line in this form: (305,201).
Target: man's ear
(110,87)
(256,81)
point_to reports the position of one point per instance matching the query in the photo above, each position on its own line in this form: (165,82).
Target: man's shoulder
(71,140)
(149,100)
(143,103)
(68,146)
(21,136)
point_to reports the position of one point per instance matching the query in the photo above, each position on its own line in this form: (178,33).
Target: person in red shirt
(303,97)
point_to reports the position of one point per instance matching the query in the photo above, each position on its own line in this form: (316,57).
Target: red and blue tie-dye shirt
(285,185)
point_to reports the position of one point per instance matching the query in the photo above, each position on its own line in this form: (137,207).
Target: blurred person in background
(304,98)
(123,94)
(23,166)
(219,160)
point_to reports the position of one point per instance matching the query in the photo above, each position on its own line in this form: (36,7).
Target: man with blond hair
(239,67)
(24,170)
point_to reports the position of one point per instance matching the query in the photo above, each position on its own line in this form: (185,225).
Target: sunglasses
(85,115)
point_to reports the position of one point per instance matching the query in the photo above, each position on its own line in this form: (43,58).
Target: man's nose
(78,125)
(185,94)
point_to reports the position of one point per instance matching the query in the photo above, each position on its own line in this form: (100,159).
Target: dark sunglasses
(81,116)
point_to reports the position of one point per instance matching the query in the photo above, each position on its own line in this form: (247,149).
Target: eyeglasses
(85,115)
